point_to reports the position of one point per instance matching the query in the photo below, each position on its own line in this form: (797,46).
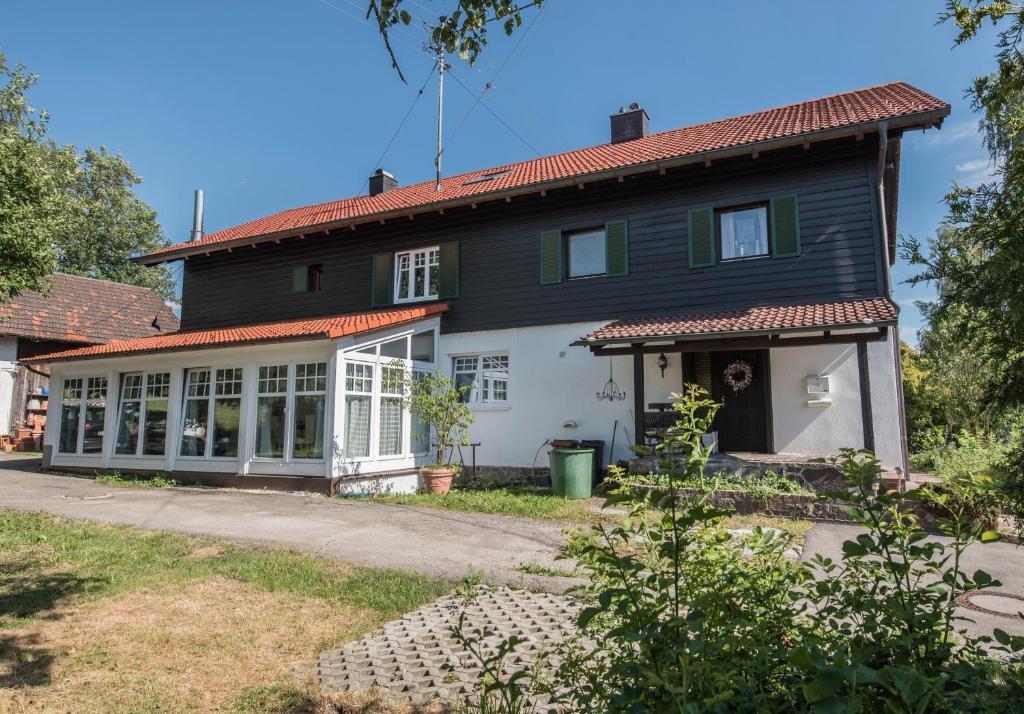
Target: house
(73,312)
(750,255)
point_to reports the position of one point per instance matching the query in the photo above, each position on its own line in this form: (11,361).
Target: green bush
(680,616)
(967,454)
(764,485)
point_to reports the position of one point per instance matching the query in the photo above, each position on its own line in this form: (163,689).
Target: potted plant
(438,401)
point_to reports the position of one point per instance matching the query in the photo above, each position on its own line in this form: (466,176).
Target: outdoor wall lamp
(662,364)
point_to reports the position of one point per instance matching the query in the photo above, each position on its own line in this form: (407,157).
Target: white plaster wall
(552,383)
(803,429)
(8,367)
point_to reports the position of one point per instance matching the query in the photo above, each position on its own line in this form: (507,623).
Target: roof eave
(694,337)
(924,120)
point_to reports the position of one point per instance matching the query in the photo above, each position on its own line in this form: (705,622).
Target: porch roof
(761,320)
(327,328)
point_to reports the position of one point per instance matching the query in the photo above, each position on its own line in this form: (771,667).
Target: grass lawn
(114,618)
(534,503)
(511,501)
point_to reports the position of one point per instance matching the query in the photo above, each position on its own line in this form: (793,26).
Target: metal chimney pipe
(197,217)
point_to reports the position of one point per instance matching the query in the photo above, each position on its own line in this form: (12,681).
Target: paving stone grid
(419,659)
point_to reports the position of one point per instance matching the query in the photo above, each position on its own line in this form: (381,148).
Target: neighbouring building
(71,312)
(750,255)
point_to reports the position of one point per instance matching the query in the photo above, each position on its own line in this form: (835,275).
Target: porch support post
(864,374)
(638,395)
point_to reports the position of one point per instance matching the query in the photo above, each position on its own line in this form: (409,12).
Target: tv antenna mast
(437,47)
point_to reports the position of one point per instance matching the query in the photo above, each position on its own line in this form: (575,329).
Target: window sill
(745,257)
(405,301)
(490,407)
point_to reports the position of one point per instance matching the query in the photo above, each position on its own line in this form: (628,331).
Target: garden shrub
(680,616)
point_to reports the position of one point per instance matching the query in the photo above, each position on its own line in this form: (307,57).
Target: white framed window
(358,403)
(291,404)
(485,375)
(744,232)
(142,419)
(310,410)
(83,409)
(587,251)
(416,274)
(271,411)
(211,417)
(392,389)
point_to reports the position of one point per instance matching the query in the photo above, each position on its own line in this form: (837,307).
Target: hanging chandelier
(611,391)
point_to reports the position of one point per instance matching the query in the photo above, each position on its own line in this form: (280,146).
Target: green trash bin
(572,472)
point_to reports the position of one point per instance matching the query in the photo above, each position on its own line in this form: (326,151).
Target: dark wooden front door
(742,422)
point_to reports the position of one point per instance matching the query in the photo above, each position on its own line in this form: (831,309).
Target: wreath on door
(738,375)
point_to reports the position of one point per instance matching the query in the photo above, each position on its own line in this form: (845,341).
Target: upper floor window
(587,252)
(307,278)
(416,274)
(744,232)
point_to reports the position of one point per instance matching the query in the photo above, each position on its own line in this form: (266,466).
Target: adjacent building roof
(327,328)
(86,310)
(900,104)
(755,320)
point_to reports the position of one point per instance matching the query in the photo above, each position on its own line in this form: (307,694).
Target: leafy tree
(462,31)
(33,173)
(108,224)
(64,211)
(977,261)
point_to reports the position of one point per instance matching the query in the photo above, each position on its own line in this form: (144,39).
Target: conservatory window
(358,400)
(392,387)
(142,421)
(212,411)
(83,409)
(271,411)
(310,409)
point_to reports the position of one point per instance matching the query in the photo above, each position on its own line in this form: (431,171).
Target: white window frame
(476,397)
(211,399)
(143,397)
(570,235)
(766,223)
(370,354)
(411,255)
(291,393)
(83,400)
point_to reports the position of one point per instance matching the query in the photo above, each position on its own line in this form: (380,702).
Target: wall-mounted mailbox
(818,384)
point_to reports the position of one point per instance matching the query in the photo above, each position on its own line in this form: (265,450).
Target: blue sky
(269,105)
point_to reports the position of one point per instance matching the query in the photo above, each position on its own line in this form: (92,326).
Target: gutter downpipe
(894,331)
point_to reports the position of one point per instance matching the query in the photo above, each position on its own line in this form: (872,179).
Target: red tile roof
(77,309)
(858,108)
(316,328)
(848,313)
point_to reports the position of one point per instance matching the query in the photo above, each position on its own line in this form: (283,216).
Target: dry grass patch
(195,646)
(99,618)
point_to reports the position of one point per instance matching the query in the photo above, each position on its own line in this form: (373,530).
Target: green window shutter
(702,237)
(380,279)
(550,257)
(300,279)
(616,242)
(785,227)
(448,280)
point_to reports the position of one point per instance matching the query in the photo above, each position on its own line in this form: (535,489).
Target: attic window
(307,278)
(487,177)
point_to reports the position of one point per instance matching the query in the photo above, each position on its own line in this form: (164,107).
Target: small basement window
(307,278)
(744,232)
(587,253)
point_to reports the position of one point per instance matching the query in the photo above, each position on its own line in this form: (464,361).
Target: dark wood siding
(500,250)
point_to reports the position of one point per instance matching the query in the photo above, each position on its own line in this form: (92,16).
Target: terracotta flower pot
(437,480)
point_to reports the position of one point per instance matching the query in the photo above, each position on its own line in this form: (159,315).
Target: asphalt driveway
(444,544)
(1003,561)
